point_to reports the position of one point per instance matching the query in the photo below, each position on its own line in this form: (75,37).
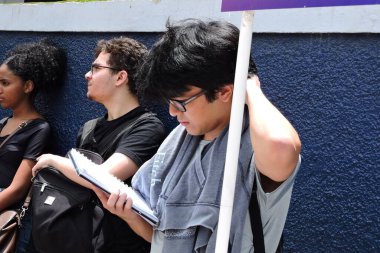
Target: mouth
(184,123)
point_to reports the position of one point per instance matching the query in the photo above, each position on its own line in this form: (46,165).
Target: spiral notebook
(90,171)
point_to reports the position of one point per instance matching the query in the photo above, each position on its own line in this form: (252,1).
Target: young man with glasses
(192,67)
(112,83)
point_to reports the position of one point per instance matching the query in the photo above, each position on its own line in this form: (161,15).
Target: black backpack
(67,217)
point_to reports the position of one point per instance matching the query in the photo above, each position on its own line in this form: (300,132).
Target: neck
(25,113)
(120,107)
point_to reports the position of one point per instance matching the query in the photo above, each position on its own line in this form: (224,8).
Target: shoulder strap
(88,130)
(126,127)
(3,120)
(23,124)
(256,225)
(27,200)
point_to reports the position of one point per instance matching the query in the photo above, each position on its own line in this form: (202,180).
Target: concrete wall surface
(150,16)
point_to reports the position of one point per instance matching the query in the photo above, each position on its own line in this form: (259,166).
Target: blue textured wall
(328,85)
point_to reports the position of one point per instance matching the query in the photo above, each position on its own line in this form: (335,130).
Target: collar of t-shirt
(105,126)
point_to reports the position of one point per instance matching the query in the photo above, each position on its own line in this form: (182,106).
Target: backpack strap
(88,131)
(89,127)
(126,127)
(256,225)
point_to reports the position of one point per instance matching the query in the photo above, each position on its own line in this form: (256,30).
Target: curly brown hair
(125,54)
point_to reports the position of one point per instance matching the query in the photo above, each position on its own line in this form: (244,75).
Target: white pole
(234,135)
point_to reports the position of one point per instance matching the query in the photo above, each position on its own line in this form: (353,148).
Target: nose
(173,111)
(88,75)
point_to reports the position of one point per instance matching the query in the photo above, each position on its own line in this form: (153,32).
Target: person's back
(111,82)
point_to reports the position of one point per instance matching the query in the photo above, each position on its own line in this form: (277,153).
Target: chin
(193,133)
(4,106)
(189,131)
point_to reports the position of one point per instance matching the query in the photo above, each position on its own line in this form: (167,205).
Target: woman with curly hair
(29,69)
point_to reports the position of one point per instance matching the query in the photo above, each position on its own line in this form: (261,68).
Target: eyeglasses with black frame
(180,105)
(97,67)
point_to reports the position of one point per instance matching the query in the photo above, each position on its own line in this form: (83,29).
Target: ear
(122,78)
(28,86)
(225,93)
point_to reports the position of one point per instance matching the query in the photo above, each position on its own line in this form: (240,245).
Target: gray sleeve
(274,208)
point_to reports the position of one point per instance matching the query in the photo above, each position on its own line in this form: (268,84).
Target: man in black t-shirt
(111,82)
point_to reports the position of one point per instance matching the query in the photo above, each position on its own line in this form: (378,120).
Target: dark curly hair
(125,54)
(41,62)
(191,52)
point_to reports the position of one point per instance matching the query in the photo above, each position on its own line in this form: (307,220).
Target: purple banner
(240,5)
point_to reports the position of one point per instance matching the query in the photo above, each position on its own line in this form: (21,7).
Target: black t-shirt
(27,143)
(139,144)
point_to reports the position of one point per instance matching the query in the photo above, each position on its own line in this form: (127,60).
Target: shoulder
(38,125)
(39,128)
(149,120)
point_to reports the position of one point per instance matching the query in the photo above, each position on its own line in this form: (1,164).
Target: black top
(139,144)
(28,143)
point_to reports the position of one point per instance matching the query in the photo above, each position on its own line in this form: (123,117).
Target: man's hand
(121,205)
(118,204)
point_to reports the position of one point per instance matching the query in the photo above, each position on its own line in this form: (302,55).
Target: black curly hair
(125,54)
(41,62)
(191,52)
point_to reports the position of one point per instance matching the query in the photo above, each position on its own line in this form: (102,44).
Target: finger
(129,204)
(121,202)
(35,171)
(111,203)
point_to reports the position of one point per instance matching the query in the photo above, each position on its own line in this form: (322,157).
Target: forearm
(63,165)
(19,186)
(275,142)
(10,196)
(142,228)
(121,166)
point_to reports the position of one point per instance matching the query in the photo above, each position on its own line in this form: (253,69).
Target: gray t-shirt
(158,236)
(274,208)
